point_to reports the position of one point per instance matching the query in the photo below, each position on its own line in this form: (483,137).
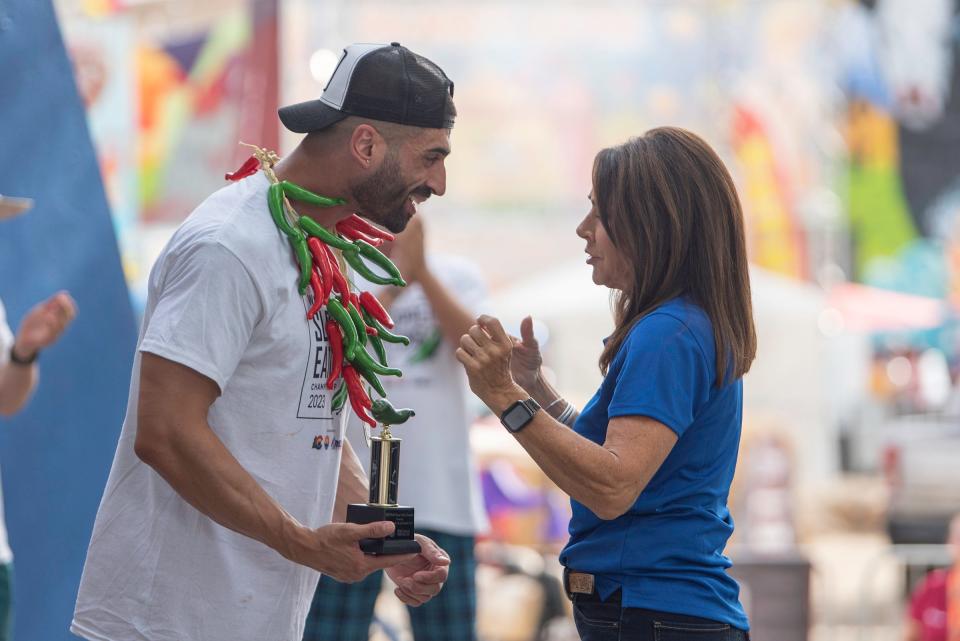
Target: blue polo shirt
(666,551)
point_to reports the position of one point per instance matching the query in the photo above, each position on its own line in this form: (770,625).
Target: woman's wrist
(500,400)
(542,392)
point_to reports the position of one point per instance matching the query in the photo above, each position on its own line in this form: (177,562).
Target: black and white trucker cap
(381,82)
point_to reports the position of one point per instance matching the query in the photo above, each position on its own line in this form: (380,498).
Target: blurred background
(840,121)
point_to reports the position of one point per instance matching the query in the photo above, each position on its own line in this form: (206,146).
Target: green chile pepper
(362,360)
(303,258)
(381,260)
(275,202)
(340,397)
(375,340)
(358,323)
(428,348)
(351,342)
(380,350)
(299,193)
(372,379)
(386,335)
(386,413)
(314,228)
(361,268)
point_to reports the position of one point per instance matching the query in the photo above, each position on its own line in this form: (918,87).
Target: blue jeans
(607,621)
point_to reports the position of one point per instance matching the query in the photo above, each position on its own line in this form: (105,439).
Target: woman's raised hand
(486,352)
(526,361)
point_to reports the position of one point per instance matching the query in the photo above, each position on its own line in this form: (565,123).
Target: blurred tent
(572,318)
(871,309)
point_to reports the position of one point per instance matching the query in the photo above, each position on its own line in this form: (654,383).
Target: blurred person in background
(649,460)
(219,514)
(443,296)
(43,325)
(934,610)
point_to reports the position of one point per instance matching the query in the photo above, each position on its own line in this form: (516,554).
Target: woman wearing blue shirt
(649,460)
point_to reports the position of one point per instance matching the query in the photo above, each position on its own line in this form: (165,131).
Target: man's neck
(302,171)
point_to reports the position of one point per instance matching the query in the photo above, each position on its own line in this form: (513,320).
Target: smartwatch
(519,414)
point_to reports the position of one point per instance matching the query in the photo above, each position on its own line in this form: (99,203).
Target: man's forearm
(200,468)
(452,317)
(17,382)
(352,486)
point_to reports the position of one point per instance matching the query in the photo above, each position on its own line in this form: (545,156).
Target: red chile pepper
(355,301)
(361,413)
(249,167)
(318,299)
(352,233)
(370,303)
(362,225)
(339,282)
(313,228)
(336,352)
(320,259)
(359,399)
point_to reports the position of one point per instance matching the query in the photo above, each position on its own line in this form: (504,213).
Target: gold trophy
(384,485)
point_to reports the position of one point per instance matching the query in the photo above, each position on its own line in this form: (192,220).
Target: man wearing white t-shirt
(444,296)
(219,514)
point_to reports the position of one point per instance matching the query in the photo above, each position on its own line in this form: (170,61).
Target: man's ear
(366,145)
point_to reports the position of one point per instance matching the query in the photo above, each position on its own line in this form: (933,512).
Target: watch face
(516,417)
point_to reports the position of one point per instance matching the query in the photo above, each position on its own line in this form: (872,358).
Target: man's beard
(382,195)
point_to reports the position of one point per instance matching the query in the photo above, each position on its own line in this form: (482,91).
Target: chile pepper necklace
(354,320)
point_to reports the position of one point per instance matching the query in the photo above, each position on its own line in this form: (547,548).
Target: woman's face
(610,268)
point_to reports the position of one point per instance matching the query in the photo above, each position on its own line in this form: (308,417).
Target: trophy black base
(400,542)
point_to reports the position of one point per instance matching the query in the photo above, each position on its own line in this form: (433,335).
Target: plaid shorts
(344,612)
(6,600)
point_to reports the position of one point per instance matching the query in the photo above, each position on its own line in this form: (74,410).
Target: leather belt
(578,583)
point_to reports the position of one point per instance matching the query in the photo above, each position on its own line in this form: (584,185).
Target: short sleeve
(206,310)
(6,337)
(661,373)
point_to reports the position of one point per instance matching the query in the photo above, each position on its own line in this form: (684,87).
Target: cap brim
(10,207)
(312,115)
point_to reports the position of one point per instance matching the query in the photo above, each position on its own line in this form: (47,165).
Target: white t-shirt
(437,473)
(222,300)
(6,342)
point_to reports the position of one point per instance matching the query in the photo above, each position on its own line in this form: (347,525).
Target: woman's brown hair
(671,209)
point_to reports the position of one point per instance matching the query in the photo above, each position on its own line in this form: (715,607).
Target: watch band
(512,422)
(23,361)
